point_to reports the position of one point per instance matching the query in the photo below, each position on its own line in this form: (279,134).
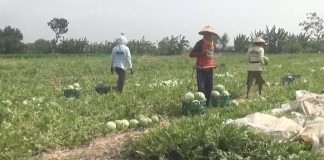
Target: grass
(39,118)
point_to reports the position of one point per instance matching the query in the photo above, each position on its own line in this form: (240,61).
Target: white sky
(101,20)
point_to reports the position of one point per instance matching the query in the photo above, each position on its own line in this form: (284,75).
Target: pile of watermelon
(194,103)
(220,97)
(72,91)
(124,124)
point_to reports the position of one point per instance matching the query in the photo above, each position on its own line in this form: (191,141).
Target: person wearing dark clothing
(203,51)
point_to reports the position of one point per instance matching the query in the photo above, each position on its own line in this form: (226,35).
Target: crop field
(35,117)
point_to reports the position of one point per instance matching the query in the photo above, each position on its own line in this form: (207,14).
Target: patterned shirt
(204,52)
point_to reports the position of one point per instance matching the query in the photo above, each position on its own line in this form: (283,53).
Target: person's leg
(208,85)
(249,83)
(200,81)
(121,79)
(259,81)
(260,89)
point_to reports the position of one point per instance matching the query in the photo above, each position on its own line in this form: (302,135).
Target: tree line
(278,40)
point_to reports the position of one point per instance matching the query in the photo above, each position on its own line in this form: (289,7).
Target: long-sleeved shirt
(121,56)
(255,54)
(204,52)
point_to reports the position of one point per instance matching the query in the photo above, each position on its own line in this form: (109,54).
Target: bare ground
(104,148)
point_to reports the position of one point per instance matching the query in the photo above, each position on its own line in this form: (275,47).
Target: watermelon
(76,85)
(266,60)
(118,124)
(225,93)
(199,96)
(215,94)
(133,123)
(188,97)
(143,122)
(125,123)
(111,126)
(70,87)
(155,119)
(220,88)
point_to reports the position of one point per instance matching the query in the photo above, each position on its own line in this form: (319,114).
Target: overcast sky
(101,20)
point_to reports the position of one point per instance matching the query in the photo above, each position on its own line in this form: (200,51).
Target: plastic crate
(103,89)
(194,108)
(224,101)
(215,101)
(72,93)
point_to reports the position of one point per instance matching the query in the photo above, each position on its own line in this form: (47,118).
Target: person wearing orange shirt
(203,51)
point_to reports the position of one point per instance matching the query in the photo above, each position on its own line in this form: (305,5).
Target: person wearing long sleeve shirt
(120,61)
(255,58)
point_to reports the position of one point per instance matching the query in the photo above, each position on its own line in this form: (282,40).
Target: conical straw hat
(258,40)
(207,29)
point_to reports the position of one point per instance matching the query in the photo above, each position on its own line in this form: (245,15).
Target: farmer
(204,52)
(256,55)
(121,61)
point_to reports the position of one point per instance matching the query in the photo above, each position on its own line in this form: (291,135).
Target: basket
(224,101)
(215,101)
(71,93)
(102,89)
(194,108)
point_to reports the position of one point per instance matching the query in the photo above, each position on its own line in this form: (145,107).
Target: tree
(314,26)
(41,46)
(59,26)
(1,41)
(292,44)
(256,33)
(224,40)
(183,44)
(275,39)
(10,40)
(241,43)
(172,45)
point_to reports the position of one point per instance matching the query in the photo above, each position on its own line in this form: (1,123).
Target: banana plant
(241,43)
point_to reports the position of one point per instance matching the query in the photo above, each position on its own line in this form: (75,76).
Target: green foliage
(173,45)
(292,44)
(59,26)
(241,43)
(141,46)
(314,27)
(40,46)
(95,47)
(256,33)
(40,118)
(275,39)
(223,41)
(72,45)
(208,138)
(10,40)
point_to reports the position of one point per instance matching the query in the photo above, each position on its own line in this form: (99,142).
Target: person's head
(208,33)
(122,40)
(258,41)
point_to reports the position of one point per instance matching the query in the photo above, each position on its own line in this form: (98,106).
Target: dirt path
(101,148)
(104,148)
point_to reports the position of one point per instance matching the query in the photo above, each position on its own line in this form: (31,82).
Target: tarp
(303,118)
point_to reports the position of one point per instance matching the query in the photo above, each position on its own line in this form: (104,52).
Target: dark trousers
(205,82)
(121,78)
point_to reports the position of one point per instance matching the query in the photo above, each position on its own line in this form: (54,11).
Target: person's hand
(112,70)
(131,71)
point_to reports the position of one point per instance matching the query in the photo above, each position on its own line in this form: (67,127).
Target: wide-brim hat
(206,30)
(258,40)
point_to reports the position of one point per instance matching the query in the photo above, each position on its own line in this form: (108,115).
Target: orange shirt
(204,52)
